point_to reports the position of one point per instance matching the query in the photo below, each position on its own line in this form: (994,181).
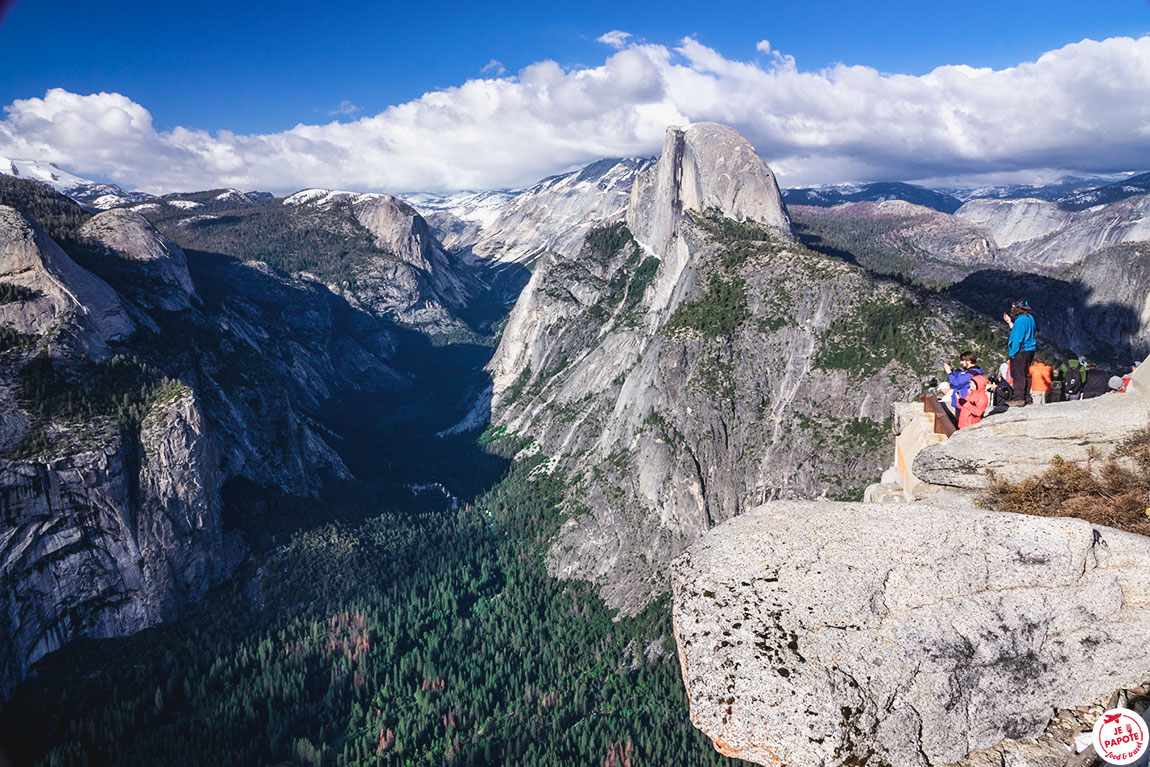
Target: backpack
(1004,392)
(1072,382)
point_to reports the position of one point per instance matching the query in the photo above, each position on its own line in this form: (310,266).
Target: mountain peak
(704,166)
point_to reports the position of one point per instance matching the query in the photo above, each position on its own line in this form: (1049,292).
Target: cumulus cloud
(494,66)
(615,38)
(1084,107)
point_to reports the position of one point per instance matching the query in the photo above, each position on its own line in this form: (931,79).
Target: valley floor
(387,627)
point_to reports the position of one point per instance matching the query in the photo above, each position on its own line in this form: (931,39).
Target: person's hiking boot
(1016,403)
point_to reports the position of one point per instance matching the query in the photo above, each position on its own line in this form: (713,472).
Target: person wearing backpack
(1021,347)
(1073,375)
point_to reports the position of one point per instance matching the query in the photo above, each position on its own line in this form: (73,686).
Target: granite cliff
(136,381)
(688,361)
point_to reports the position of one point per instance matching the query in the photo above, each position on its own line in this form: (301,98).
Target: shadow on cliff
(1067,317)
(384,431)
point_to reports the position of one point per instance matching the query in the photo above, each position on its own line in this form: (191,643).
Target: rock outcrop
(111,540)
(1013,221)
(1021,443)
(127,234)
(66,308)
(839,634)
(704,167)
(374,250)
(421,268)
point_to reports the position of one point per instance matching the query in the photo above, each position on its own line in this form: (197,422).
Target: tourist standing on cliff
(1021,348)
(1040,374)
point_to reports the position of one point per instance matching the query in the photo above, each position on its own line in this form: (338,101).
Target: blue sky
(256,70)
(259,67)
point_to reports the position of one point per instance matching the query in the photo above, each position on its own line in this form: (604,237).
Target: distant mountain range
(829,196)
(1069,193)
(458,217)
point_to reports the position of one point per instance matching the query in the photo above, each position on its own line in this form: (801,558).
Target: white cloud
(615,38)
(1081,108)
(345,108)
(495,66)
(763,46)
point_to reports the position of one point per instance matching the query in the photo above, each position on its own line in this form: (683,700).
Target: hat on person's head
(1021,303)
(1115,382)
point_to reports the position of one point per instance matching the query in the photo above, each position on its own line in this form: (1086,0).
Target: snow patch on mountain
(91,194)
(326,196)
(483,208)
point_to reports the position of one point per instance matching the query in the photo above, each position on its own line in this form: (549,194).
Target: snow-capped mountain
(459,217)
(836,194)
(1055,190)
(553,214)
(90,194)
(1108,193)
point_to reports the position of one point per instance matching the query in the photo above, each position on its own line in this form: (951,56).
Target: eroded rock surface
(111,540)
(126,233)
(831,634)
(68,308)
(698,368)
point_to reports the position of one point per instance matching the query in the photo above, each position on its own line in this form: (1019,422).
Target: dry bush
(1115,494)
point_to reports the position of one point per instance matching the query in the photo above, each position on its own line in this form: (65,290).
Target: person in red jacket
(974,404)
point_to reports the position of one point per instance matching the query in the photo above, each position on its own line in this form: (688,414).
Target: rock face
(66,306)
(374,250)
(551,216)
(128,234)
(112,464)
(704,167)
(111,540)
(678,387)
(1021,442)
(1012,221)
(838,634)
(1045,236)
(421,267)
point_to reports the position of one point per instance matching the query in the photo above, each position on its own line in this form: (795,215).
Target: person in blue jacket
(960,379)
(1021,347)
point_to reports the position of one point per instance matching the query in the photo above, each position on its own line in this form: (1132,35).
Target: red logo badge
(1120,736)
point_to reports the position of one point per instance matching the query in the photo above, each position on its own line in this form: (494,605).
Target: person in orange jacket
(972,407)
(1040,374)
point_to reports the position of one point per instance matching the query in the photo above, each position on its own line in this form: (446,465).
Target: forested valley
(381,624)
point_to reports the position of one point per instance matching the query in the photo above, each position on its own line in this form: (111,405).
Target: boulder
(833,633)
